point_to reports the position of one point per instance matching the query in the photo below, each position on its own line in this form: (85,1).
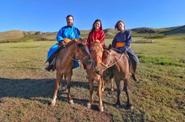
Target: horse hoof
(129,106)
(117,106)
(101,109)
(89,105)
(132,108)
(71,102)
(64,88)
(52,103)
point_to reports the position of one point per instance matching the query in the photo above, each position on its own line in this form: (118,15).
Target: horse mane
(96,46)
(96,52)
(70,43)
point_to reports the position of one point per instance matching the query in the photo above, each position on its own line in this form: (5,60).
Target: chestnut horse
(96,52)
(64,61)
(119,64)
(97,55)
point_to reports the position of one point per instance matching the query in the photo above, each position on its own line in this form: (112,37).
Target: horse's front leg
(68,78)
(103,85)
(57,83)
(112,84)
(91,94)
(64,84)
(100,95)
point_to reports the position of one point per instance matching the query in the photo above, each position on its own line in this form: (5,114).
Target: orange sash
(66,40)
(120,44)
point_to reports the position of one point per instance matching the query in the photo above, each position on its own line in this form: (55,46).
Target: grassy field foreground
(26,88)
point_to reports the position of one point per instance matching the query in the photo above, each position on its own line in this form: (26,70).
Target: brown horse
(64,62)
(96,52)
(97,55)
(119,66)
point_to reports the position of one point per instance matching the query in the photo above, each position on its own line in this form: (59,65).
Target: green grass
(26,88)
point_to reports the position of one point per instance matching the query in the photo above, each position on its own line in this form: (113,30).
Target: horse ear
(105,47)
(80,45)
(84,41)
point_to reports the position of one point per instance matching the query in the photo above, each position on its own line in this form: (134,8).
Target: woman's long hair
(93,26)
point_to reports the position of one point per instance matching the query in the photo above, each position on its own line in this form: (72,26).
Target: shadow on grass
(38,89)
(28,88)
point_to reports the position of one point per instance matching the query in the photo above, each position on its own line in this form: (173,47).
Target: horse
(64,60)
(119,65)
(96,52)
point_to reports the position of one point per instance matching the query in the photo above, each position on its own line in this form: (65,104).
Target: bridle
(110,65)
(85,58)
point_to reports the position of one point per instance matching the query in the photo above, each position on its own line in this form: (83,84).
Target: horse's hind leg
(129,103)
(91,94)
(64,84)
(70,100)
(112,84)
(103,85)
(118,103)
(57,82)
(100,95)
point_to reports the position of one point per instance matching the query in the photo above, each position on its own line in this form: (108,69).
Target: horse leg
(112,84)
(103,85)
(91,94)
(100,95)
(118,103)
(64,86)
(129,103)
(70,100)
(57,82)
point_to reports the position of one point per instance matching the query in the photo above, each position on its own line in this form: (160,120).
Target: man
(66,33)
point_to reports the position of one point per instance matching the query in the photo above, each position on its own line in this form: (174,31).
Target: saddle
(61,46)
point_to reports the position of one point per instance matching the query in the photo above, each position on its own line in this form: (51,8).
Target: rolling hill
(18,35)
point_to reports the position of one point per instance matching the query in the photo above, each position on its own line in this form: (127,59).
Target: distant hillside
(17,35)
(176,30)
(144,30)
(11,35)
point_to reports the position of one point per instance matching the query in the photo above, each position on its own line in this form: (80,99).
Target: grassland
(26,88)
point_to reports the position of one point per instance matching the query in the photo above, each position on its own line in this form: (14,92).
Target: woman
(96,34)
(121,43)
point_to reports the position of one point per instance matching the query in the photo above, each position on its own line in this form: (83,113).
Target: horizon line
(25,30)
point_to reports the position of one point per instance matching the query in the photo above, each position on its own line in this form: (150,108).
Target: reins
(110,65)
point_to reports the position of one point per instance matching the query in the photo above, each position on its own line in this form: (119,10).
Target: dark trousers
(132,55)
(133,59)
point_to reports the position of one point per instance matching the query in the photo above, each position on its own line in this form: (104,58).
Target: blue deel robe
(69,32)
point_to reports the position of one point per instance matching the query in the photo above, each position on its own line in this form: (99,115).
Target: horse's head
(107,55)
(96,46)
(82,52)
(107,60)
(96,50)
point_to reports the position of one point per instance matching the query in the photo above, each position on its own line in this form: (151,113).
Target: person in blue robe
(67,32)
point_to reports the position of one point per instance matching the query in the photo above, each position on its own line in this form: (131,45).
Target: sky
(49,15)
